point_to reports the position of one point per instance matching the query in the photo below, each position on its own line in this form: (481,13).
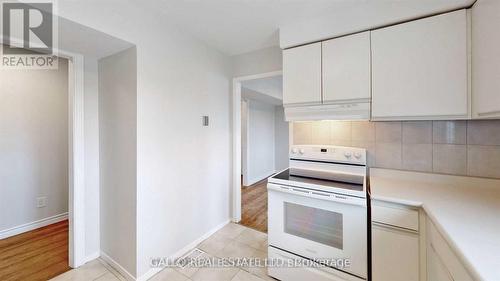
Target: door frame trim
(76,200)
(236,157)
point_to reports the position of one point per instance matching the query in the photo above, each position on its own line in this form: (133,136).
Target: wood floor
(39,254)
(254,206)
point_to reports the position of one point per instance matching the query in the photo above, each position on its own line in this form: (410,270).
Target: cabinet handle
(489,113)
(393,227)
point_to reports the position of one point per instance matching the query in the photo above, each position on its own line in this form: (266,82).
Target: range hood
(344,111)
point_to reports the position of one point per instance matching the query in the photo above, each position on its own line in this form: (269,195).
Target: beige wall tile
(302,132)
(320,132)
(483,132)
(388,155)
(449,132)
(417,132)
(483,161)
(450,159)
(340,131)
(341,142)
(363,131)
(388,132)
(393,144)
(417,157)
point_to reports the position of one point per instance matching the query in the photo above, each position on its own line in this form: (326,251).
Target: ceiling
(82,40)
(240,26)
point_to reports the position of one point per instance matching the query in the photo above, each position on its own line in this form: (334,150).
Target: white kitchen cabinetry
(395,243)
(442,263)
(328,80)
(486,59)
(346,69)
(420,69)
(302,75)
(395,254)
(436,270)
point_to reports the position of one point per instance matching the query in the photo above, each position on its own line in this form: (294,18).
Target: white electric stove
(318,214)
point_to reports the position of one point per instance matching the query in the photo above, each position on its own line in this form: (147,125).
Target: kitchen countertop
(465,210)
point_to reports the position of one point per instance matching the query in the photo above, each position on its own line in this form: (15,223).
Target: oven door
(318,225)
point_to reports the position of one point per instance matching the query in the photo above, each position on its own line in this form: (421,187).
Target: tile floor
(232,241)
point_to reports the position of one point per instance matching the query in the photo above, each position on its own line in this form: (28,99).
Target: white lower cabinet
(442,262)
(395,242)
(436,270)
(395,254)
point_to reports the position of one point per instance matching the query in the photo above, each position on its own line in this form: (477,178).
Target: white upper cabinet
(302,75)
(420,69)
(346,68)
(486,59)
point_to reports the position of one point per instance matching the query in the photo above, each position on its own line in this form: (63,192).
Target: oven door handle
(317,194)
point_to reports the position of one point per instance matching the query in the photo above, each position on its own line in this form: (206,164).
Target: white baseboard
(150,273)
(32,225)
(117,267)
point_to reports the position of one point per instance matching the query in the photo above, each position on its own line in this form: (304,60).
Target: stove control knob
(301,151)
(294,150)
(357,155)
(347,154)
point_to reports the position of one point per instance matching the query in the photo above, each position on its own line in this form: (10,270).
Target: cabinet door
(420,69)
(302,75)
(486,59)
(395,254)
(444,256)
(346,68)
(436,270)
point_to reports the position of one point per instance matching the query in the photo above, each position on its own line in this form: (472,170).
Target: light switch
(41,202)
(205,121)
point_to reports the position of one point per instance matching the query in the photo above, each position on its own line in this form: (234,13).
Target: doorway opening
(41,180)
(261,138)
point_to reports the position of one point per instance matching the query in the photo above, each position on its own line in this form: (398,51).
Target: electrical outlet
(41,202)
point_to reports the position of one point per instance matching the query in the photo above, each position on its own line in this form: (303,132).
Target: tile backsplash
(448,147)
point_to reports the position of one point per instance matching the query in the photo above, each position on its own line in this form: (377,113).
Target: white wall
(92,45)
(183,173)
(33,144)
(261,141)
(184,168)
(261,61)
(118,157)
(281,139)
